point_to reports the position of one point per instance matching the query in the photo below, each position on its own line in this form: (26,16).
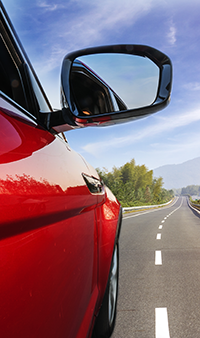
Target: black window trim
(18,107)
(24,60)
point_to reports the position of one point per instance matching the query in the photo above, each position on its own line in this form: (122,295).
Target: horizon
(178,163)
(169,164)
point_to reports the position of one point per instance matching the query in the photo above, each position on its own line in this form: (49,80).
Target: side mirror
(113,84)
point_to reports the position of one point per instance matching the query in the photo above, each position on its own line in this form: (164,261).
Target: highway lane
(159,293)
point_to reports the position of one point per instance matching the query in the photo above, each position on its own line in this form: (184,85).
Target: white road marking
(158,257)
(163,221)
(161,323)
(147,212)
(140,214)
(160,227)
(158,236)
(165,217)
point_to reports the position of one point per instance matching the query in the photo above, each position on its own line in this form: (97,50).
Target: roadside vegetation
(195,202)
(134,185)
(191,190)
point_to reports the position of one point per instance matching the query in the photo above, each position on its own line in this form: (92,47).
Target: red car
(59,225)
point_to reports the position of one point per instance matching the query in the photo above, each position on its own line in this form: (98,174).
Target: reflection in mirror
(103,83)
(93,96)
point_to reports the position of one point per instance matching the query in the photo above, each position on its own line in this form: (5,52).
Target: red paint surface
(55,249)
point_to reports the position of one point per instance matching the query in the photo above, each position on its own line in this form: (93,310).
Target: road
(159,282)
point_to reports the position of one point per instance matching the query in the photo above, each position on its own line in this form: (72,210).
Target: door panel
(48,244)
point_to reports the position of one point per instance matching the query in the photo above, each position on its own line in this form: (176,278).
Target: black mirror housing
(79,81)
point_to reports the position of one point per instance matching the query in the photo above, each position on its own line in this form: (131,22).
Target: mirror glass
(104,83)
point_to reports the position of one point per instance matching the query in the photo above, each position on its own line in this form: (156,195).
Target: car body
(59,225)
(88,88)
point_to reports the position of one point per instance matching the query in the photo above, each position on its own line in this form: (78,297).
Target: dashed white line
(161,323)
(158,257)
(161,316)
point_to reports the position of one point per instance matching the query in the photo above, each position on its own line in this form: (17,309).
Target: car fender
(109,219)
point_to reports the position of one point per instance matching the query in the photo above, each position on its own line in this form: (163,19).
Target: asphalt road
(159,282)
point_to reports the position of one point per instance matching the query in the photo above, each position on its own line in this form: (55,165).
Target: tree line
(191,190)
(134,185)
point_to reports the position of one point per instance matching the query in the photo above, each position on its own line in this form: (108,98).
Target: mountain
(179,175)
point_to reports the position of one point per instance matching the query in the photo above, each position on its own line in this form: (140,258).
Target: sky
(49,29)
(126,74)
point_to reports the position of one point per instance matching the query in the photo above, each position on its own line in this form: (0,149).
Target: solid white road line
(160,227)
(140,214)
(161,323)
(158,257)
(154,210)
(158,236)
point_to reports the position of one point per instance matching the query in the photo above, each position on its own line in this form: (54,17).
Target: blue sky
(129,76)
(51,29)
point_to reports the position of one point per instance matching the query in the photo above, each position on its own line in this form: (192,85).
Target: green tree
(134,184)
(157,185)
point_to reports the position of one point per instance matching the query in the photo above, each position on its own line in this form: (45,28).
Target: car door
(48,236)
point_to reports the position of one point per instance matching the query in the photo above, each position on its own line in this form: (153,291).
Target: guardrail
(146,206)
(194,206)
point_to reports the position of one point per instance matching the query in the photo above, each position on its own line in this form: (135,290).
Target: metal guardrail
(194,205)
(146,206)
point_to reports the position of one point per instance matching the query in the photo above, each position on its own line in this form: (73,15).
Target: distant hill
(180,175)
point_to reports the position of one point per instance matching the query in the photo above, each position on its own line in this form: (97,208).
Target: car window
(10,78)
(17,78)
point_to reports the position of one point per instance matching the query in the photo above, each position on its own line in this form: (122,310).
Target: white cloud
(177,145)
(54,60)
(101,16)
(193,86)
(49,7)
(86,23)
(172,34)
(163,124)
(173,151)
